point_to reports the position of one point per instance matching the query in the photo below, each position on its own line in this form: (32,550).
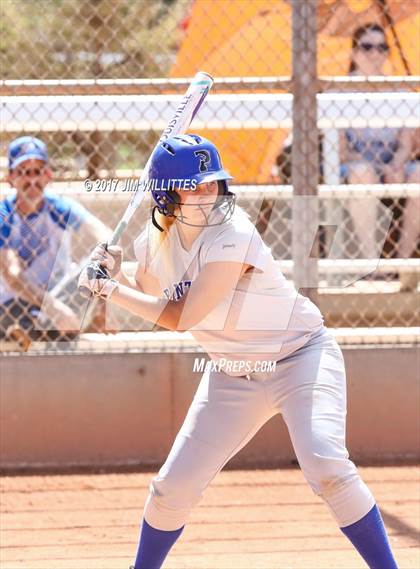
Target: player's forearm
(32,293)
(22,288)
(11,273)
(160,311)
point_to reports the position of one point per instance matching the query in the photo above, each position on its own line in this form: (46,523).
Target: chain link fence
(315,109)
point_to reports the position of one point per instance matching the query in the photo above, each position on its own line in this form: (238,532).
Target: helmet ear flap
(222,187)
(171,200)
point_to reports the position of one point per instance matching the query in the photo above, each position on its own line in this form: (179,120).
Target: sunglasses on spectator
(31,171)
(380,47)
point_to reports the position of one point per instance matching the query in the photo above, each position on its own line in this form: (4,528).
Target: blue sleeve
(65,211)
(6,220)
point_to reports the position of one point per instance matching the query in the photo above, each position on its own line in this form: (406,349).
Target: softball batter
(203,267)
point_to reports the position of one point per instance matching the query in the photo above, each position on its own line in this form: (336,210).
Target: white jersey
(263,317)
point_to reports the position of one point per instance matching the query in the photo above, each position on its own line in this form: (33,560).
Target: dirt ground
(259,519)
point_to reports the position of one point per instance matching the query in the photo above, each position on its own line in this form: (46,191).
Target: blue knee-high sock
(154,546)
(369,537)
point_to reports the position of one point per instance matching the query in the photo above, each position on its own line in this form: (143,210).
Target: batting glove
(109,257)
(95,280)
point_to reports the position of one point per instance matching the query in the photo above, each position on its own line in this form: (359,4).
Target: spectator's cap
(26,148)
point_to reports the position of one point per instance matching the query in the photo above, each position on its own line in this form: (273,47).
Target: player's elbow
(174,318)
(181,328)
(185,323)
(169,317)
(174,324)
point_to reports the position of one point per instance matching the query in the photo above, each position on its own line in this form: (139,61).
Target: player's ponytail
(161,226)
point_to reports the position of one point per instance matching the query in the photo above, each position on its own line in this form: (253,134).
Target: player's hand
(109,257)
(95,279)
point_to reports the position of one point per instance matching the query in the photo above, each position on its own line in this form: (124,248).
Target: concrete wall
(95,409)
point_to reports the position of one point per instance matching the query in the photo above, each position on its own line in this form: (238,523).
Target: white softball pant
(309,389)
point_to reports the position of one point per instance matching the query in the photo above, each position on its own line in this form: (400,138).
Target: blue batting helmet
(184,161)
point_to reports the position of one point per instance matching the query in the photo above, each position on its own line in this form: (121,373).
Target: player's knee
(326,475)
(169,503)
(174,492)
(339,485)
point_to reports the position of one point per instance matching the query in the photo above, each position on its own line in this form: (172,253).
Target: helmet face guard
(169,204)
(182,163)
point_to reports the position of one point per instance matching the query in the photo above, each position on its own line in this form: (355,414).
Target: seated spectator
(35,248)
(373,155)
(370,156)
(408,245)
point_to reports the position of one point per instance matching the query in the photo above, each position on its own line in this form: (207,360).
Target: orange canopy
(232,38)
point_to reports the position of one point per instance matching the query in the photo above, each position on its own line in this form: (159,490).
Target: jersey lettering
(178,290)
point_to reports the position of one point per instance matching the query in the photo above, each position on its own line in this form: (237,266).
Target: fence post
(305,153)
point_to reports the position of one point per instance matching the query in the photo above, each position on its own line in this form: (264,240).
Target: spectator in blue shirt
(35,245)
